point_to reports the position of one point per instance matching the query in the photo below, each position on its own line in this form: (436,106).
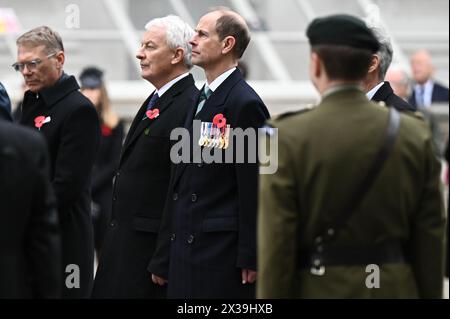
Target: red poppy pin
(41,120)
(219,120)
(152,114)
(106,130)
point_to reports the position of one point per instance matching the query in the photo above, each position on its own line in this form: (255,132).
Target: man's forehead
(28,47)
(30,50)
(153,34)
(208,21)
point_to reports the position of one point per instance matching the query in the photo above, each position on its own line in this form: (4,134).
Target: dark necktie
(151,103)
(206,93)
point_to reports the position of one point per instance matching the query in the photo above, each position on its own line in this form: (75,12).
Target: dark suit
(386,94)
(139,195)
(29,235)
(72,136)
(439,95)
(212,209)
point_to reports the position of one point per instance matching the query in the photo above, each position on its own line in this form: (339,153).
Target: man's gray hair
(178,34)
(385,53)
(43,35)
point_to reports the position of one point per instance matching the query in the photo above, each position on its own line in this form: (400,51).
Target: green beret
(342,29)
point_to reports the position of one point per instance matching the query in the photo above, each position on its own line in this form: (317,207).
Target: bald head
(229,23)
(399,81)
(422,67)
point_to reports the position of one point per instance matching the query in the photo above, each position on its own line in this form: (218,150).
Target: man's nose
(193,40)
(25,70)
(139,54)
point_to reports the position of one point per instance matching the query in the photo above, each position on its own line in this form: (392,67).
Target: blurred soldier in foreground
(355,209)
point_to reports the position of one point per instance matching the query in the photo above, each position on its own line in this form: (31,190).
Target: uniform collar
(339,88)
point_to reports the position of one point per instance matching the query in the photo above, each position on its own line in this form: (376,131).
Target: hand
(158,280)
(248,276)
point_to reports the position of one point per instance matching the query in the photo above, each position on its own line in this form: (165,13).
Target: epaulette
(289,114)
(417,114)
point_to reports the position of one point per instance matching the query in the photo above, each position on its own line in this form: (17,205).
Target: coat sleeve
(253,115)
(77,150)
(428,231)
(43,239)
(277,229)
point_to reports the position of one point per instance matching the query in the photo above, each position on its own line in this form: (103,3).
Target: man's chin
(34,89)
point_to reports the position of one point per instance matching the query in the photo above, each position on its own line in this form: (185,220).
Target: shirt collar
(427,86)
(168,85)
(220,79)
(374,90)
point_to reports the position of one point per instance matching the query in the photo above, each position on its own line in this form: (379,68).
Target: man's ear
(60,58)
(316,65)
(374,63)
(178,56)
(228,44)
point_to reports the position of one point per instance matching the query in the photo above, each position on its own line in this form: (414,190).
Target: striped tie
(206,93)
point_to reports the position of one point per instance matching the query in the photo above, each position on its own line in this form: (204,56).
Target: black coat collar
(53,94)
(139,124)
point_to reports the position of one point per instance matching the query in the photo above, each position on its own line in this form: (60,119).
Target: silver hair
(43,35)
(385,53)
(178,34)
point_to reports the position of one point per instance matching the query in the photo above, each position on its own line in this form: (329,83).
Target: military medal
(208,139)
(226,138)
(202,139)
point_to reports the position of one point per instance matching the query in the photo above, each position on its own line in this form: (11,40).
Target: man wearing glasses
(54,107)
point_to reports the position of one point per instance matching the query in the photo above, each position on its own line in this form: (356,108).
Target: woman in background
(93,87)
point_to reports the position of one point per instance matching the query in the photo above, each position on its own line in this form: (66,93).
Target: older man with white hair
(375,86)
(426,89)
(144,171)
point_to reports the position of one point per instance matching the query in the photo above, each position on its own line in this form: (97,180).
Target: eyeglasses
(31,65)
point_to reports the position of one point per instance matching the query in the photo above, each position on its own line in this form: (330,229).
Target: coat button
(118,173)
(190,239)
(172,237)
(113,223)
(200,165)
(175,196)
(194,198)
(114,198)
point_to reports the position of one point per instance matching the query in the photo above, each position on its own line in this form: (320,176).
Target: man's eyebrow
(200,31)
(148,42)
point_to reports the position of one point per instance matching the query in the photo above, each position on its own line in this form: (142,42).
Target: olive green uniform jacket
(323,155)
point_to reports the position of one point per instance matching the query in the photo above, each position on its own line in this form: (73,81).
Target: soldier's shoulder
(281,118)
(414,114)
